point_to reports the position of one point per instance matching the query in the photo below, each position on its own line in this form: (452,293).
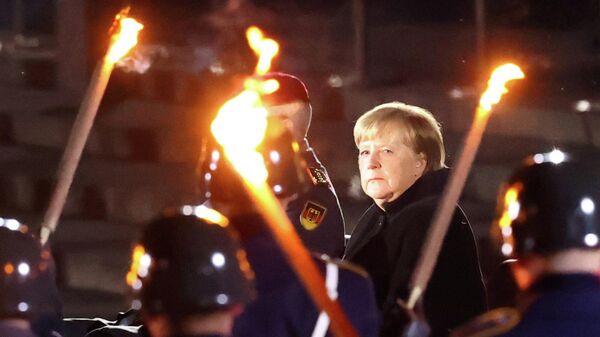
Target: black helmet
(24,273)
(548,206)
(287,172)
(185,265)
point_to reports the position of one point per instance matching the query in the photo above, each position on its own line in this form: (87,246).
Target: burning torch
(123,37)
(441,220)
(240,127)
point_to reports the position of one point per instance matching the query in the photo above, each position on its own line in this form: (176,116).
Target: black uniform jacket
(388,244)
(563,305)
(316,213)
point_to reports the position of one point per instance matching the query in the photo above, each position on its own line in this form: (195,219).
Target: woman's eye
(386,151)
(363,153)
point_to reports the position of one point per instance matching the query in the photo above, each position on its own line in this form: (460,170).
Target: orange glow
(136,258)
(240,127)
(265,49)
(211,215)
(9,268)
(124,39)
(241,122)
(510,199)
(262,87)
(497,85)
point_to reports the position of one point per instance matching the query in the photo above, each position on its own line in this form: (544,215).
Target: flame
(136,258)
(265,49)
(124,39)
(510,199)
(497,85)
(241,122)
(211,215)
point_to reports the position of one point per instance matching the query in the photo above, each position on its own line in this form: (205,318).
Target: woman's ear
(421,163)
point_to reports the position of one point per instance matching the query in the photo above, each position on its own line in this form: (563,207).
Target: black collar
(430,184)
(372,220)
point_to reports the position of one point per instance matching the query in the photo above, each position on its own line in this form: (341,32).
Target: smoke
(142,58)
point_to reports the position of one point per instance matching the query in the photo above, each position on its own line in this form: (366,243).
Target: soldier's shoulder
(492,323)
(343,265)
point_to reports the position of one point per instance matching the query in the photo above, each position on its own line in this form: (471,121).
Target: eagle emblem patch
(312,215)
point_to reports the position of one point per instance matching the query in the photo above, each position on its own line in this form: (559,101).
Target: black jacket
(319,206)
(388,244)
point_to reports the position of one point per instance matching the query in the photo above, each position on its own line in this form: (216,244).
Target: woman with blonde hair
(401,163)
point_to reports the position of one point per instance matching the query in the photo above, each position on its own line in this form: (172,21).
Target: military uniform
(549,211)
(564,305)
(283,307)
(316,213)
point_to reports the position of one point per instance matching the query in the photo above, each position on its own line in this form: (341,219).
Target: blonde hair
(417,127)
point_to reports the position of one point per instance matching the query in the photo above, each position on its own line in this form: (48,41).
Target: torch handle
(441,219)
(299,258)
(74,148)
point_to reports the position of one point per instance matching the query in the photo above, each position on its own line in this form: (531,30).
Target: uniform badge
(312,215)
(318,176)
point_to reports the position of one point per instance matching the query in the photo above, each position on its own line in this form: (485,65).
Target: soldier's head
(547,217)
(222,186)
(188,271)
(24,276)
(290,103)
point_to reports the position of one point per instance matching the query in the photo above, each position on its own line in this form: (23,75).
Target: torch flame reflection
(497,85)
(125,39)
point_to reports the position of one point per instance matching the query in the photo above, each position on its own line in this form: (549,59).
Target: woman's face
(388,167)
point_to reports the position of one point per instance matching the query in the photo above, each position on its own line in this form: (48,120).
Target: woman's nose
(373,161)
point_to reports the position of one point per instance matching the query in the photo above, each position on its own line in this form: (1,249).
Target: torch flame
(265,49)
(125,39)
(240,127)
(510,198)
(241,122)
(136,257)
(497,85)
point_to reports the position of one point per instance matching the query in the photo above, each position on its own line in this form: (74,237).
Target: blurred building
(142,152)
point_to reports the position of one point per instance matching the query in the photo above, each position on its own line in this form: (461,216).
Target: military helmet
(188,265)
(549,205)
(287,171)
(24,273)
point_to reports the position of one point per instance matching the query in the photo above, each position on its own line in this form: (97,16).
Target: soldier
(189,278)
(283,307)
(25,297)
(550,227)
(316,213)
